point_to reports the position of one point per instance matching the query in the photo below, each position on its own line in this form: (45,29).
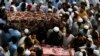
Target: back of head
(68,31)
(39,52)
(14,39)
(89,51)
(28,42)
(5,46)
(20,50)
(23,6)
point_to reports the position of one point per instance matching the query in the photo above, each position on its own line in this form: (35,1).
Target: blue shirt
(15,33)
(12,48)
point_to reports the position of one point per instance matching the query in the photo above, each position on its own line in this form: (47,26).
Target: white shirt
(67,40)
(70,21)
(7,53)
(34,6)
(7,4)
(88,4)
(78,53)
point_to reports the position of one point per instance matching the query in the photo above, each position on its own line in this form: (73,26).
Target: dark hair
(84,53)
(28,42)
(4,45)
(2,3)
(23,0)
(23,6)
(68,31)
(83,3)
(14,39)
(95,27)
(20,50)
(1,26)
(79,34)
(94,34)
(12,3)
(3,14)
(49,2)
(65,17)
(39,51)
(89,51)
(5,28)
(29,8)
(88,45)
(91,5)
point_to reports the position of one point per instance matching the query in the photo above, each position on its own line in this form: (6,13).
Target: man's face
(54,10)
(6,49)
(33,36)
(81,10)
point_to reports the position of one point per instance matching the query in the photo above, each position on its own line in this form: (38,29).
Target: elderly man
(54,37)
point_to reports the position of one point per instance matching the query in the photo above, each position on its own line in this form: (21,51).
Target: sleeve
(19,6)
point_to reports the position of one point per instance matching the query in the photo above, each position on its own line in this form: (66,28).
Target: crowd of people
(67,25)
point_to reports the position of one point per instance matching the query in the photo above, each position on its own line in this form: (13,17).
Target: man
(85,31)
(5,49)
(82,11)
(13,7)
(21,41)
(13,45)
(14,32)
(67,39)
(77,25)
(54,37)
(7,4)
(22,6)
(33,4)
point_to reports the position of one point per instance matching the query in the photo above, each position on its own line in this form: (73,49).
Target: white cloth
(33,6)
(21,41)
(27,52)
(88,4)
(78,53)
(14,7)
(67,40)
(70,21)
(7,4)
(5,53)
(99,50)
(96,52)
